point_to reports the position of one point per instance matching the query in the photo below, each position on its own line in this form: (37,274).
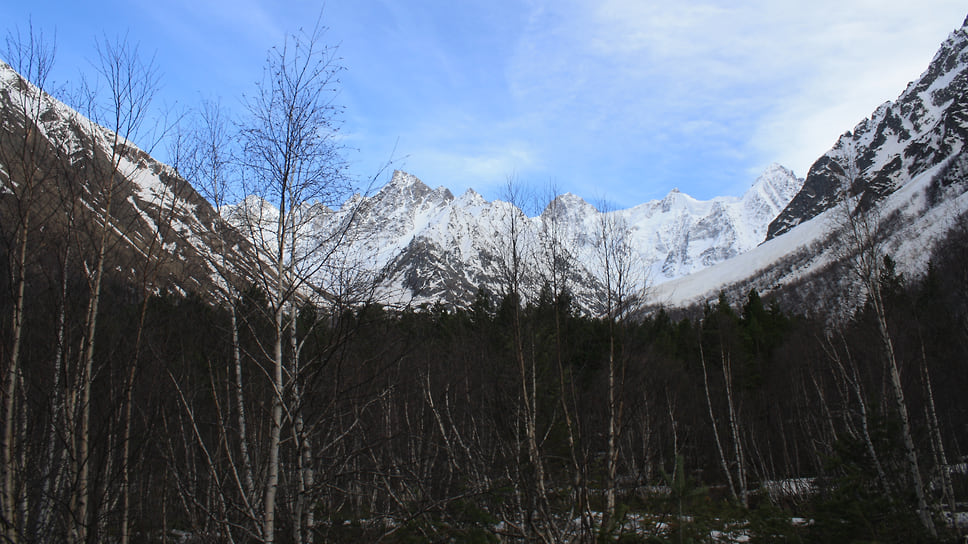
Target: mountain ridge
(155,219)
(898,141)
(905,165)
(424,245)
(419,245)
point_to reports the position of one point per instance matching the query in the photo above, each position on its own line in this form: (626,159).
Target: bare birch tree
(514,265)
(557,258)
(122,107)
(292,160)
(623,290)
(213,166)
(858,227)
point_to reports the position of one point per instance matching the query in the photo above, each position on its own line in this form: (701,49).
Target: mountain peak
(675,199)
(471,198)
(568,204)
(404,179)
(404,187)
(776,167)
(776,178)
(769,195)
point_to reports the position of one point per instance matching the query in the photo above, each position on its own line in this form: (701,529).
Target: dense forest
(741,419)
(271,408)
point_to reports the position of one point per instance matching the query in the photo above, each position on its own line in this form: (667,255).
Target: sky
(617,101)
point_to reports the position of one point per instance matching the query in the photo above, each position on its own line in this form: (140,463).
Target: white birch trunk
(895,378)
(712,420)
(734,428)
(11,378)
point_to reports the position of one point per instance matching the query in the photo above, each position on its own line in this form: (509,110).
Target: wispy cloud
(623,97)
(751,83)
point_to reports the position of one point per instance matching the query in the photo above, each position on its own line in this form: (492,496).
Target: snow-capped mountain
(160,230)
(680,235)
(901,140)
(906,160)
(423,245)
(906,164)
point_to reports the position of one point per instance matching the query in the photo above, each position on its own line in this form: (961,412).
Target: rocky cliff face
(901,140)
(905,170)
(161,231)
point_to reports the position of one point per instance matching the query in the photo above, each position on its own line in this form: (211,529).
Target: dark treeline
(744,414)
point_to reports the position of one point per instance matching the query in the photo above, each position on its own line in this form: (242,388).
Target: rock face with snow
(924,127)
(905,166)
(423,245)
(161,231)
(680,235)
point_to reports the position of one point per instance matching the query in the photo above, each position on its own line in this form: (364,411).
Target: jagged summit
(405,187)
(569,205)
(675,200)
(470,199)
(768,196)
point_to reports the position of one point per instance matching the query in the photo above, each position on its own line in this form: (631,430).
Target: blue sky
(609,99)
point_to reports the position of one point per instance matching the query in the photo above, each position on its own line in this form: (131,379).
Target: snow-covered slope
(913,220)
(680,235)
(85,172)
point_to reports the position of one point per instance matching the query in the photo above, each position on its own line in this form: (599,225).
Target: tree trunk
(612,453)
(712,420)
(13,371)
(734,428)
(895,377)
(945,469)
(249,481)
(83,517)
(275,432)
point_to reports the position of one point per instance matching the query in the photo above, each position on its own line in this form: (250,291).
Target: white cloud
(854,66)
(781,79)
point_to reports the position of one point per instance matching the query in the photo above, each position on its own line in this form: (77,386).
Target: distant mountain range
(415,245)
(423,245)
